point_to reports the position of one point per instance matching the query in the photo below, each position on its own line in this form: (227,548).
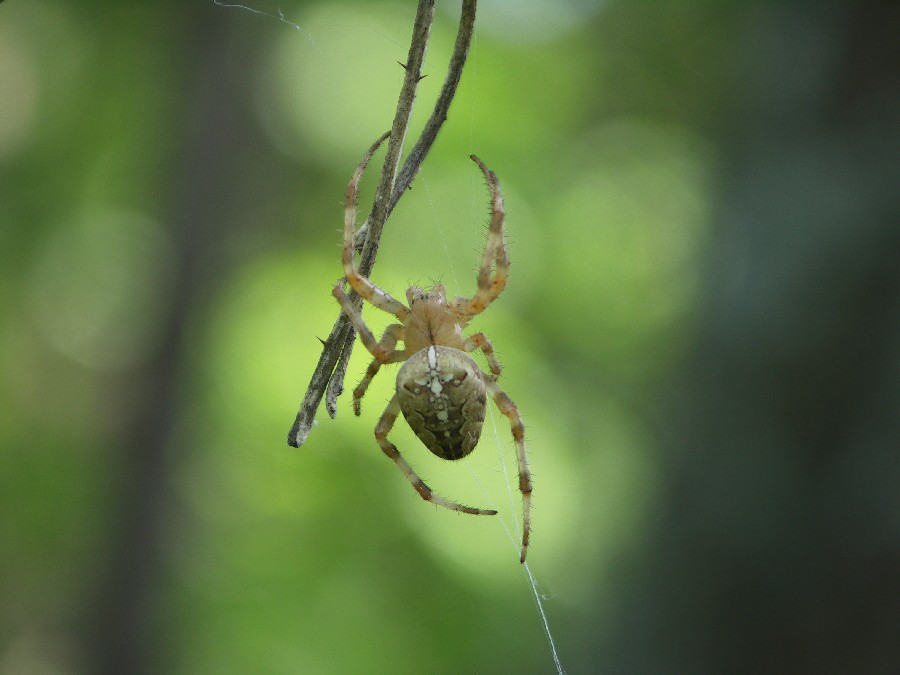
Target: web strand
(513,538)
(514,541)
(440,229)
(278,15)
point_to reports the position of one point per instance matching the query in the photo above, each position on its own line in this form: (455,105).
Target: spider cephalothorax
(441,391)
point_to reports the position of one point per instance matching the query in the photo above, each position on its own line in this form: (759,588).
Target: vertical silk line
(514,540)
(440,230)
(547,632)
(509,490)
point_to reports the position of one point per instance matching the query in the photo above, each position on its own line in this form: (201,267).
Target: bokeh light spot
(99,288)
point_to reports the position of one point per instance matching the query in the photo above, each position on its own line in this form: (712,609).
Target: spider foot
(453,506)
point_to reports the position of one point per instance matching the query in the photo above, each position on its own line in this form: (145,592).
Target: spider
(440,389)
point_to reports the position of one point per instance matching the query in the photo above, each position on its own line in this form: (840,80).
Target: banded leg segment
(384,351)
(508,408)
(494,256)
(384,426)
(481,341)
(363,287)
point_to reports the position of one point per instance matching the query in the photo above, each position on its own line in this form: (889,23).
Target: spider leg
(363,287)
(385,352)
(481,341)
(508,408)
(494,256)
(384,426)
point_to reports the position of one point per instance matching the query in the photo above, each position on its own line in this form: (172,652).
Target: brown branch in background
(329,372)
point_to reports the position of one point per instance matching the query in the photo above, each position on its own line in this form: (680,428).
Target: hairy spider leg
(387,353)
(495,254)
(384,426)
(508,408)
(481,341)
(383,351)
(363,287)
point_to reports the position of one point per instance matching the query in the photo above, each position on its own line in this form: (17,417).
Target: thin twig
(448,91)
(329,372)
(374,224)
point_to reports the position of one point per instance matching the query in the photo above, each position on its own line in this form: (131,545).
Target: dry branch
(328,375)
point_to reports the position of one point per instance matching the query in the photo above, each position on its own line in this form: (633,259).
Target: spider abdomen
(442,396)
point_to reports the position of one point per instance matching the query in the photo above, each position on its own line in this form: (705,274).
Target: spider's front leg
(494,256)
(385,424)
(363,287)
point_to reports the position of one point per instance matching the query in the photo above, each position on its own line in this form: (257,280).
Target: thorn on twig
(402,65)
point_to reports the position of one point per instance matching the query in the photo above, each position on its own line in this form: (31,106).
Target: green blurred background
(702,330)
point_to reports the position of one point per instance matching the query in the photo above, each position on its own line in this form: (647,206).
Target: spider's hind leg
(385,424)
(511,411)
